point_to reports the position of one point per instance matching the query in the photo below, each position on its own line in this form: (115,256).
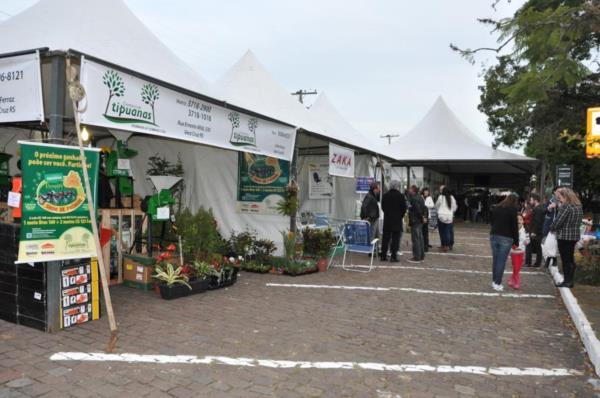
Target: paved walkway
(427,330)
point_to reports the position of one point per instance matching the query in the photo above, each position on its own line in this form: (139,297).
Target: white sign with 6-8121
(21,89)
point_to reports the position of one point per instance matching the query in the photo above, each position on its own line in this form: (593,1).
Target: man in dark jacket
(416,218)
(393,205)
(535,232)
(369,210)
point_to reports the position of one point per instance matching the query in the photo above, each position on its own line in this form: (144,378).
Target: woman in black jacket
(504,234)
(567,225)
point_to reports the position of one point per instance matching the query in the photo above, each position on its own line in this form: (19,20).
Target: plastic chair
(357,239)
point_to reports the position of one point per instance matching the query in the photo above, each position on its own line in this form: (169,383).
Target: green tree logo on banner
(149,96)
(252,126)
(115,84)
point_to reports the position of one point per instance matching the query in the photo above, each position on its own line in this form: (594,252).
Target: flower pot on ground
(173,282)
(170,292)
(322,264)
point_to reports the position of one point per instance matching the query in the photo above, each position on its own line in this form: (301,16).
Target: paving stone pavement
(253,320)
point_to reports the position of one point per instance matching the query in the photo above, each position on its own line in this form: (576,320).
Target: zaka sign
(341,161)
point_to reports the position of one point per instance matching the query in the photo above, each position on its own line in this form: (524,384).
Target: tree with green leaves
(149,95)
(115,84)
(546,74)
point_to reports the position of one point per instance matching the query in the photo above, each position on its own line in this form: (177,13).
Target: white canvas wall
(211,182)
(343,205)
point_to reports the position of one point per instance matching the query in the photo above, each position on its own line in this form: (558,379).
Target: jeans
(416,234)
(535,246)
(566,248)
(374,231)
(500,249)
(391,239)
(426,237)
(446,234)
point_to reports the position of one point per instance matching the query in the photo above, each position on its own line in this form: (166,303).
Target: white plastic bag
(550,246)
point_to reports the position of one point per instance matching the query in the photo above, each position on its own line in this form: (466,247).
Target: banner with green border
(56,222)
(262,183)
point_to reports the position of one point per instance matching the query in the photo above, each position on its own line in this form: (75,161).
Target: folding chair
(357,239)
(338,227)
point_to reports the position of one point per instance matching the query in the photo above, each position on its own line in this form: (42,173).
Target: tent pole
(76,93)
(294,177)
(56,109)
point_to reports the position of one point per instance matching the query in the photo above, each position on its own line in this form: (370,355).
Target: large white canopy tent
(442,143)
(249,84)
(109,32)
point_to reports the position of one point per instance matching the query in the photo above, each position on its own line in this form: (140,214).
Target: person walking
(416,218)
(567,228)
(430,211)
(535,232)
(446,206)
(369,211)
(503,236)
(393,204)
(518,255)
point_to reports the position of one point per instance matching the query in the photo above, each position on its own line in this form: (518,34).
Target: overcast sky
(382,63)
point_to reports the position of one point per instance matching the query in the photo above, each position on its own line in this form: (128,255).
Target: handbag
(550,245)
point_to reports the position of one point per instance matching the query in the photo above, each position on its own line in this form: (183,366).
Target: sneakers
(498,288)
(414,260)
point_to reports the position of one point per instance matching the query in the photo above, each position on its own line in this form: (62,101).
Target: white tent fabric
(211,182)
(248,84)
(333,123)
(441,136)
(342,206)
(104,29)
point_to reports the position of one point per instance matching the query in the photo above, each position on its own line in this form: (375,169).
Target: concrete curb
(588,336)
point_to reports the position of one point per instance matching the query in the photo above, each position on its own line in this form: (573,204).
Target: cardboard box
(138,269)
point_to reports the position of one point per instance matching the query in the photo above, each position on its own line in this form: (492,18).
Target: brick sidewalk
(252,320)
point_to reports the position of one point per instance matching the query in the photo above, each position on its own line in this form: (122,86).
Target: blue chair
(357,239)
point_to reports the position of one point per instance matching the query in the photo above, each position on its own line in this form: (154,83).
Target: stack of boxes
(23,287)
(79,293)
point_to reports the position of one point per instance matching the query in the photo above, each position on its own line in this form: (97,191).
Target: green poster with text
(262,183)
(56,222)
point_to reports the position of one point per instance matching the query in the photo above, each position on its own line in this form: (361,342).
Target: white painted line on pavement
(285,364)
(462,271)
(407,289)
(588,336)
(452,254)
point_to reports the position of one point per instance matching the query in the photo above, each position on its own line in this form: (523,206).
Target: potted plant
(300,267)
(203,273)
(318,243)
(173,283)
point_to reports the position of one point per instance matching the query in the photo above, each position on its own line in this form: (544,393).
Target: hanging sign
(592,141)
(341,161)
(55,224)
(564,175)
(21,89)
(320,182)
(117,100)
(262,183)
(363,184)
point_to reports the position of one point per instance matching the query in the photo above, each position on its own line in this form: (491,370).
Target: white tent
(105,29)
(109,31)
(440,139)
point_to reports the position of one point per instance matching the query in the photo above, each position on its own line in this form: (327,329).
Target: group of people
(421,210)
(520,229)
(560,216)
